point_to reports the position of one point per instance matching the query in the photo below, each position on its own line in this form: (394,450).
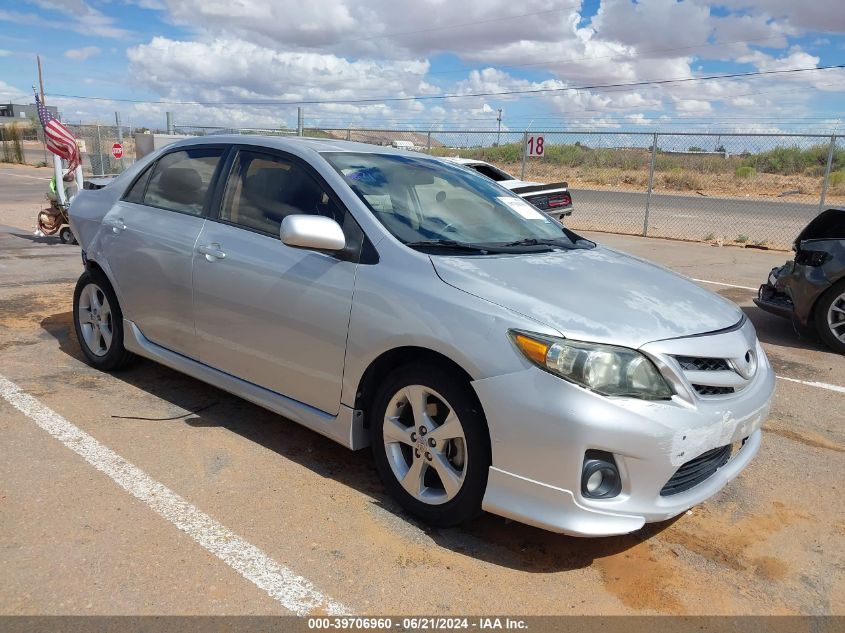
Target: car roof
(295,143)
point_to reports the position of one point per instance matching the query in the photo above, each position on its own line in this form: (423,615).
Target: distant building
(18,113)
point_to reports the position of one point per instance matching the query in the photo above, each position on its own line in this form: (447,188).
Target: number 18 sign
(534,146)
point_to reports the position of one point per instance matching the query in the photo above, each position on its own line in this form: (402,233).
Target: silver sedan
(490,357)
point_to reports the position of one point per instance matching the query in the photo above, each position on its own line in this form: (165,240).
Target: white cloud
(77,16)
(11,94)
(81,54)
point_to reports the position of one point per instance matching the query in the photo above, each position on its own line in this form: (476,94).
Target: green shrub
(745,172)
(741,239)
(837,178)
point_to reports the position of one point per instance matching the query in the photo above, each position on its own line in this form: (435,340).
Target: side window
(180,180)
(264,189)
(136,192)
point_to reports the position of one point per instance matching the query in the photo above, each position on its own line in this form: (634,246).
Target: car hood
(598,294)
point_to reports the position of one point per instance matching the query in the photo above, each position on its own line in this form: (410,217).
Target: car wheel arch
(94,265)
(397,357)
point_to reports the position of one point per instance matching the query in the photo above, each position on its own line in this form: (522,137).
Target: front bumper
(773,299)
(541,426)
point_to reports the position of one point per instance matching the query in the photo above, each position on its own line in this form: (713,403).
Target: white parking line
(719,283)
(292,591)
(820,385)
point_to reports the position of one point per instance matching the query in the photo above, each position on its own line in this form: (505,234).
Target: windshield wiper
(449,244)
(533,241)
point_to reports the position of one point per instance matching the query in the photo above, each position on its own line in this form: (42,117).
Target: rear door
(265,312)
(150,244)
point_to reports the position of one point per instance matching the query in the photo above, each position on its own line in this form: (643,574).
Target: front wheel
(830,317)
(431,445)
(98,322)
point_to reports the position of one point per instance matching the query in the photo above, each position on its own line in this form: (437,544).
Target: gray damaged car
(810,289)
(491,358)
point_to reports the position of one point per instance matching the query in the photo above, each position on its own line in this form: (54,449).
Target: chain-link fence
(97,143)
(753,189)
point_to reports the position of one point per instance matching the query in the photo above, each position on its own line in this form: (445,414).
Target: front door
(265,312)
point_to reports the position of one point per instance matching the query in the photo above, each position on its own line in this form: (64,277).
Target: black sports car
(810,289)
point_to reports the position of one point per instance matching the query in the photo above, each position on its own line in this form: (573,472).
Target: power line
(464,95)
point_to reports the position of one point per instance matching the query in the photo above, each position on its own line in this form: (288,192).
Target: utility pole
(300,121)
(41,89)
(499,132)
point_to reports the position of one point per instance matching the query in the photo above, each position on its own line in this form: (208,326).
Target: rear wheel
(830,317)
(431,444)
(98,322)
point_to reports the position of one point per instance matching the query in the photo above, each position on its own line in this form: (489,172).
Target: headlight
(606,369)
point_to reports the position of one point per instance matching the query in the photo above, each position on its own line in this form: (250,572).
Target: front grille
(690,363)
(708,390)
(697,470)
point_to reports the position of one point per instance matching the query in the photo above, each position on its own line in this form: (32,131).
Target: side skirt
(347,428)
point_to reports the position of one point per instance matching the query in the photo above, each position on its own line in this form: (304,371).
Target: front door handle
(116,224)
(212,251)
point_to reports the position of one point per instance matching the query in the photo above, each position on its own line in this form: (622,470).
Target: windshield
(425,201)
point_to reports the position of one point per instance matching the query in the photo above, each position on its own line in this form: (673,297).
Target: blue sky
(337,51)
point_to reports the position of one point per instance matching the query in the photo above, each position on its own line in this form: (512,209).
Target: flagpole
(57,161)
(41,85)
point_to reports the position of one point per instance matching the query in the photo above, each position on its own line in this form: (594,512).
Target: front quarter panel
(401,302)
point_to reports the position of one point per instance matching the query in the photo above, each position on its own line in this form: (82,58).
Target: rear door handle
(212,251)
(116,224)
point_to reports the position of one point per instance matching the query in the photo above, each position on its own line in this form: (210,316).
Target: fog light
(599,476)
(595,481)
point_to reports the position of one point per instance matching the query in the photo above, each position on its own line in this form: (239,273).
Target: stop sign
(117,150)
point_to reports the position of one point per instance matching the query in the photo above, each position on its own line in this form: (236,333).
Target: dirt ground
(73,542)
(762,186)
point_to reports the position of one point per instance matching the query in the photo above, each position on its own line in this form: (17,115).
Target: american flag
(58,138)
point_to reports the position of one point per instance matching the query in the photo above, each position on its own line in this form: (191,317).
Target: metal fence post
(348,134)
(524,150)
(428,143)
(119,135)
(650,183)
(827,171)
(100,152)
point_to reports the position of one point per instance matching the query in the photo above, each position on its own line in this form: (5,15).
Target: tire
(98,322)
(459,453)
(66,235)
(829,315)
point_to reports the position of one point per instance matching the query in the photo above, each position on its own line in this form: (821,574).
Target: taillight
(560,200)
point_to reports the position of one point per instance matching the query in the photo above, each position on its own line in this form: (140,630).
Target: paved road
(73,541)
(776,221)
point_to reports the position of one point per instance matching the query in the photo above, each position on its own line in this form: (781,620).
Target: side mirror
(312,231)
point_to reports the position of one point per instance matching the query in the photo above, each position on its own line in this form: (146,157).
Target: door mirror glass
(312,231)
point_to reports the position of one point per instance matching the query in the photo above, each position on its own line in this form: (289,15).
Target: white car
(554,198)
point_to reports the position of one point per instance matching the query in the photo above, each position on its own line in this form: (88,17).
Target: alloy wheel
(95,319)
(836,317)
(425,444)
